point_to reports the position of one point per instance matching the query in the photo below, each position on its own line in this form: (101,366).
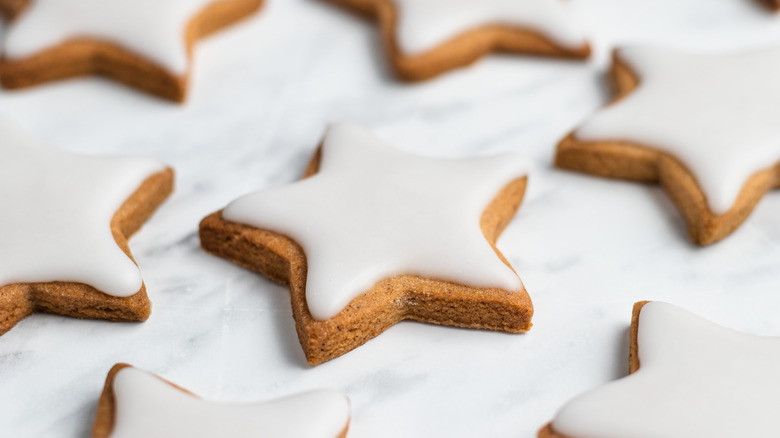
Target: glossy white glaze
(56,210)
(695,378)
(424,24)
(148,407)
(153,29)
(373,212)
(716,114)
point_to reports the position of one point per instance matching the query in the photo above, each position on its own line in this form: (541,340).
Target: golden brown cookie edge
(633,362)
(460,51)
(106,409)
(80,57)
(643,163)
(79,300)
(11,8)
(772,4)
(281,259)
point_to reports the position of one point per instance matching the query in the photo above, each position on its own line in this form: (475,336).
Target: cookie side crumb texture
(460,50)
(644,163)
(80,56)
(17,301)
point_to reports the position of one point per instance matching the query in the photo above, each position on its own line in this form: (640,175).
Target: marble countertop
(262,94)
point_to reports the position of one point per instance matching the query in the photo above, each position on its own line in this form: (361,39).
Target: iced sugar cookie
(64,224)
(136,404)
(146,44)
(424,38)
(373,236)
(703,126)
(689,378)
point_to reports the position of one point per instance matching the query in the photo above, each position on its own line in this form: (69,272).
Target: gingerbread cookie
(702,126)
(64,223)
(773,4)
(373,236)
(424,38)
(697,379)
(146,44)
(137,404)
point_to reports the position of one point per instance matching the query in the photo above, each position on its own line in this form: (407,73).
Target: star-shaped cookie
(424,38)
(703,126)
(373,236)
(146,44)
(64,224)
(689,378)
(137,404)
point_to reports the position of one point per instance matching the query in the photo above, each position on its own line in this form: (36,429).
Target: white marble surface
(262,94)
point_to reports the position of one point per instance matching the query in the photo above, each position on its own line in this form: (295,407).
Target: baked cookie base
(643,163)
(79,57)
(390,300)
(78,300)
(459,51)
(633,363)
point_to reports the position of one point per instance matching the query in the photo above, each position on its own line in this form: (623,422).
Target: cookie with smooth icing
(424,38)
(64,223)
(135,403)
(689,378)
(374,235)
(702,126)
(146,44)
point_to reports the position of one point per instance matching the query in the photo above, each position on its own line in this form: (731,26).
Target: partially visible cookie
(135,403)
(146,44)
(64,224)
(424,38)
(703,126)
(689,378)
(774,4)
(373,236)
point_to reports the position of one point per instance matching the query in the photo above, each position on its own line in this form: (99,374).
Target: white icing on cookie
(424,24)
(148,407)
(56,210)
(696,379)
(373,212)
(716,114)
(153,29)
